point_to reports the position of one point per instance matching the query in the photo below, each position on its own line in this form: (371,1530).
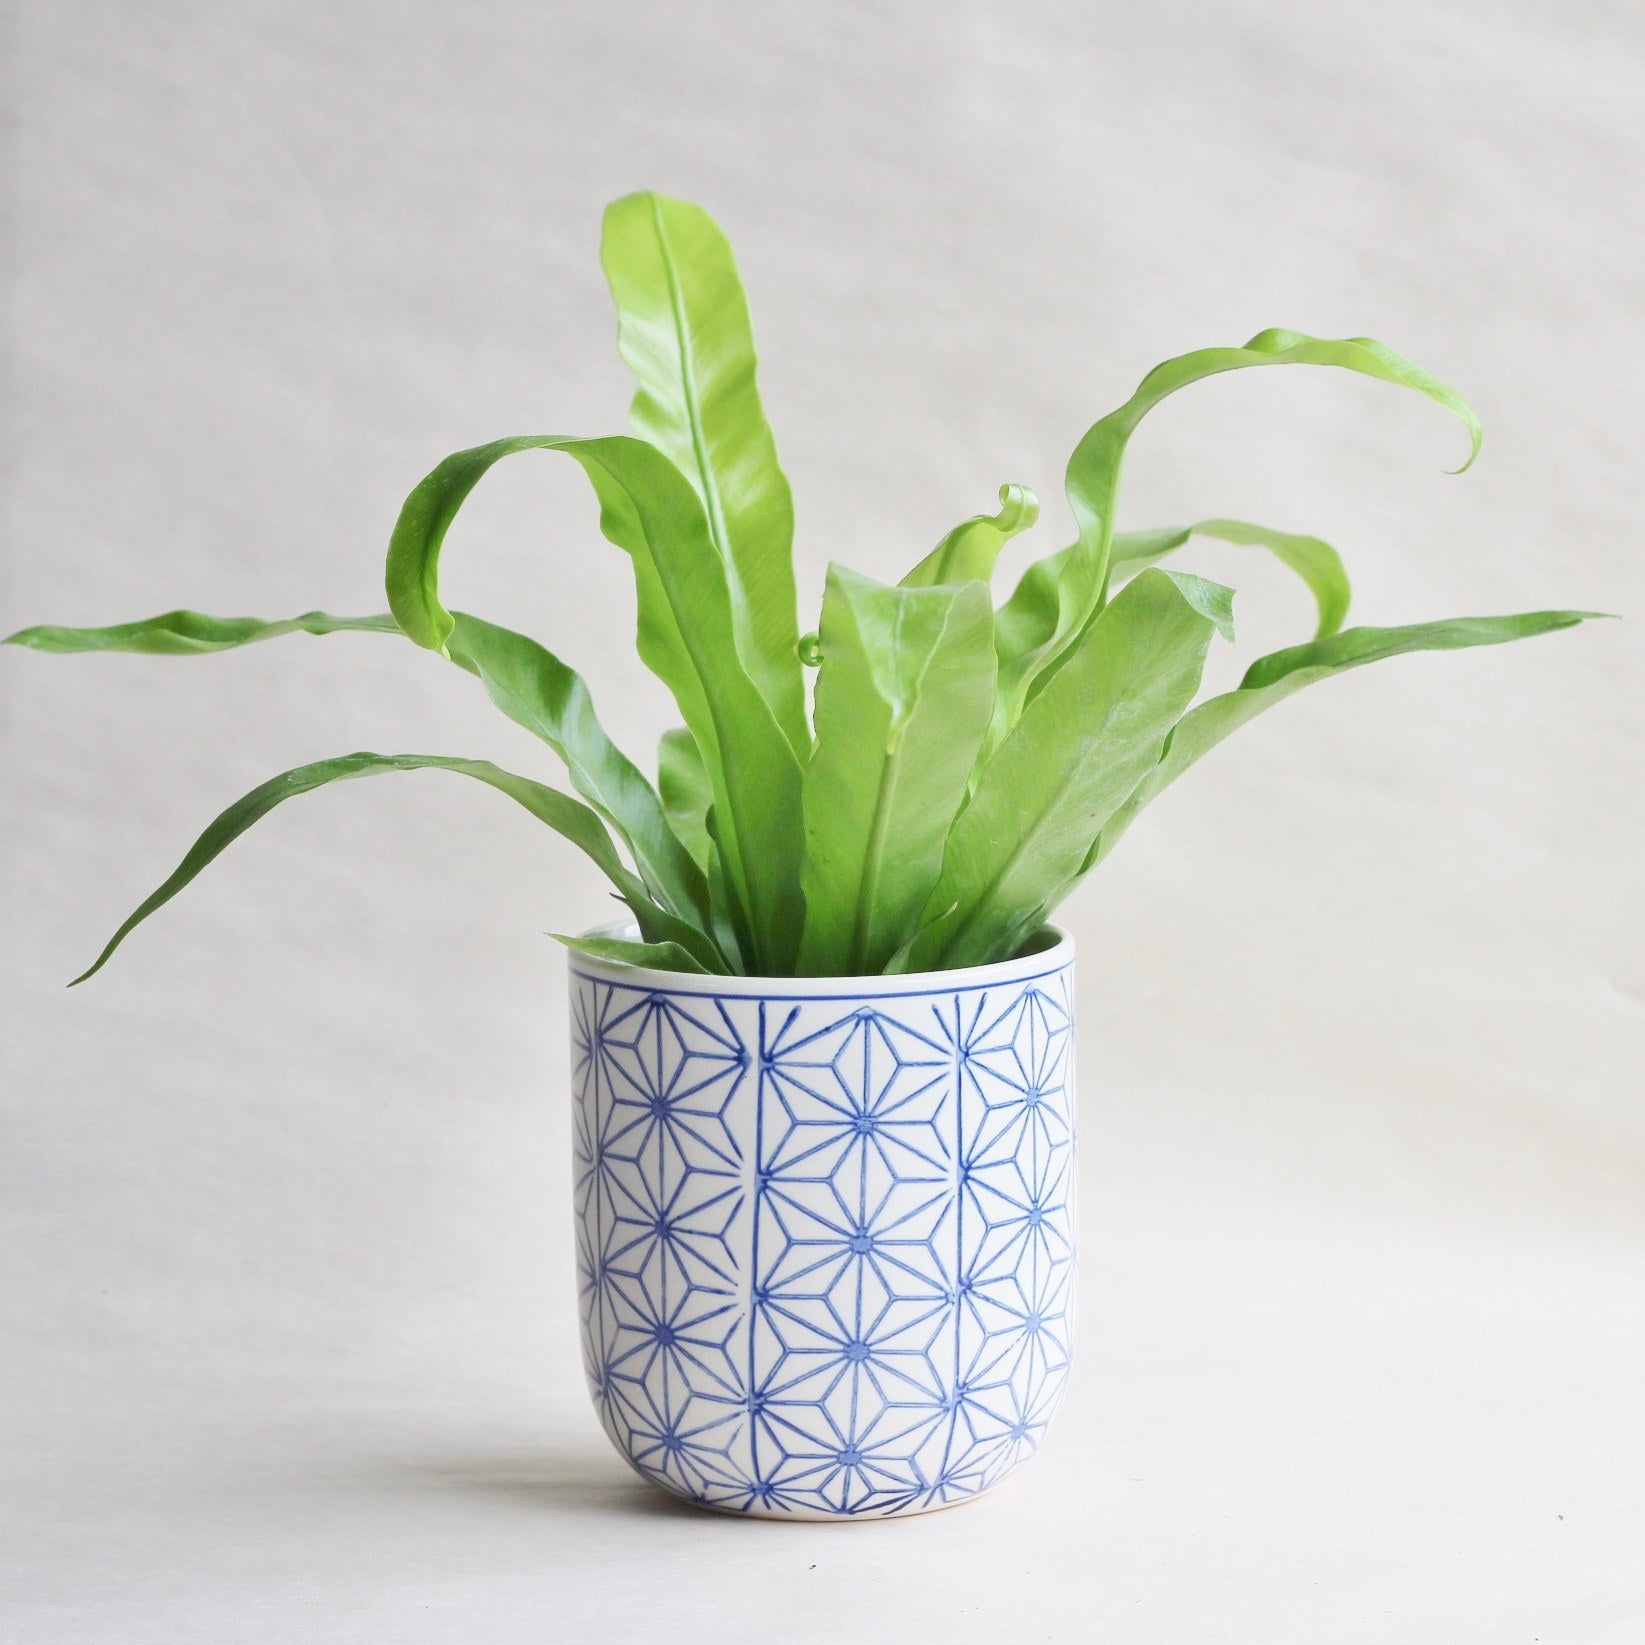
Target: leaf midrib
(890,773)
(688,382)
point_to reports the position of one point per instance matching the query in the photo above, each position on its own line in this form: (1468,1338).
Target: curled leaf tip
(1476,436)
(1019,509)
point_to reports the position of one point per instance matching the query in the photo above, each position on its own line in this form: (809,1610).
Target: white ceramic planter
(825,1228)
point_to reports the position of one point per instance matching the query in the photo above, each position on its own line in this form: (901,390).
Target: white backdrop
(286,1271)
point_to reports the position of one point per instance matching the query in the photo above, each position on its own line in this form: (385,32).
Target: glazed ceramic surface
(825,1228)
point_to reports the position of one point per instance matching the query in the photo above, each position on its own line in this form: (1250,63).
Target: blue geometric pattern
(825,1245)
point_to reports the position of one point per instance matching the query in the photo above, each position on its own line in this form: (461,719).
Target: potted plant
(823,1087)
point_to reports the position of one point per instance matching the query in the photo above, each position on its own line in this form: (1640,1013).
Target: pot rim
(1051,956)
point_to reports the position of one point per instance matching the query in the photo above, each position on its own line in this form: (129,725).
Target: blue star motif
(824,1246)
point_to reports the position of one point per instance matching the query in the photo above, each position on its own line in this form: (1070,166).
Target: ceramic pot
(825,1228)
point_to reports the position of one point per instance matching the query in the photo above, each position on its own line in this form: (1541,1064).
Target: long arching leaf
(531,685)
(1081,747)
(1092,481)
(688,803)
(686,793)
(535,689)
(683,330)
(191,633)
(565,815)
(904,697)
(1028,619)
(687,637)
(1271,679)
(1311,558)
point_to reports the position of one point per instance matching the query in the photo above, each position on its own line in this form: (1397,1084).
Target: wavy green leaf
(683,330)
(1311,558)
(1080,748)
(688,802)
(568,817)
(904,696)
(686,792)
(531,685)
(190,633)
(729,908)
(1271,679)
(967,554)
(1092,481)
(686,637)
(655,956)
(538,691)
(1028,619)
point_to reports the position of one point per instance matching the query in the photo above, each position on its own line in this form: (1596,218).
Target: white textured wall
(1372,971)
